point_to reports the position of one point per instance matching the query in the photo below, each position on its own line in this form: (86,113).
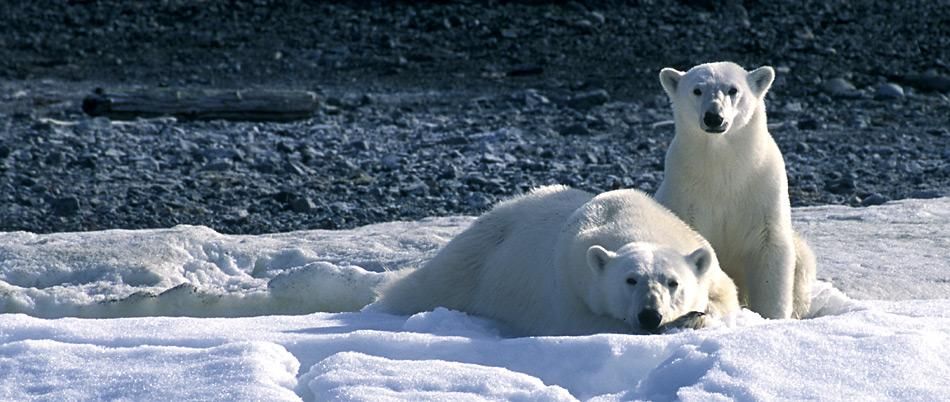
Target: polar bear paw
(690,320)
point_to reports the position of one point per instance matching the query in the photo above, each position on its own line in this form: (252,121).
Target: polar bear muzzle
(649,319)
(714,123)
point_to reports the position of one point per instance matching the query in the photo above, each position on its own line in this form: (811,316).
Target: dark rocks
(443,109)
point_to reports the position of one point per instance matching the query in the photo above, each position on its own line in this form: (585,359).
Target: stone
(589,99)
(889,91)
(925,194)
(416,188)
(598,16)
(575,129)
(840,88)
(65,206)
(844,185)
(809,124)
(391,162)
(302,204)
(873,199)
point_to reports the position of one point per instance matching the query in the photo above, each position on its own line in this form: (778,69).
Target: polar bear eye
(733,91)
(631,281)
(673,283)
(697,92)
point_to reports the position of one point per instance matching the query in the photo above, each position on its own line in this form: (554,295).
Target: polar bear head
(716,98)
(647,285)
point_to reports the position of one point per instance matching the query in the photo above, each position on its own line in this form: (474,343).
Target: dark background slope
(444,108)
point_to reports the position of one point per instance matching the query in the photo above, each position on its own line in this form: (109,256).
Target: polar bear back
(500,267)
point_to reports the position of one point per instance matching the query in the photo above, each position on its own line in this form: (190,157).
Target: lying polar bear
(560,261)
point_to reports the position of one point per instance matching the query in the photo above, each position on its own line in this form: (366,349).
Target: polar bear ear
(598,257)
(670,79)
(701,260)
(760,80)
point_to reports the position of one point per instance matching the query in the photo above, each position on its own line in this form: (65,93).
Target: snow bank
(195,271)
(894,343)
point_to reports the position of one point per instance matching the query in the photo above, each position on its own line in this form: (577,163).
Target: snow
(48,369)
(205,316)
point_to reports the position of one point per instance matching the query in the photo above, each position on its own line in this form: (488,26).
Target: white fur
(731,186)
(555,262)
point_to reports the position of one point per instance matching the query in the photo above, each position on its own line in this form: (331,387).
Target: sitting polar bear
(559,261)
(725,176)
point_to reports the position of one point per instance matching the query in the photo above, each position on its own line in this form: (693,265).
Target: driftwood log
(242,105)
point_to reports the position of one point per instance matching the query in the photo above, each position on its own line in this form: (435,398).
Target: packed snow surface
(879,327)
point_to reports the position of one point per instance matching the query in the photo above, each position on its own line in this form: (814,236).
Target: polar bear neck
(693,149)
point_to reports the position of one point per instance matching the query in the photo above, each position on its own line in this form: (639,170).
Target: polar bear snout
(714,122)
(649,319)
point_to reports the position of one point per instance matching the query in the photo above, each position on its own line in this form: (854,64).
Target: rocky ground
(435,109)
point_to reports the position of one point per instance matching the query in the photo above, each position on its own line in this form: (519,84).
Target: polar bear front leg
(770,277)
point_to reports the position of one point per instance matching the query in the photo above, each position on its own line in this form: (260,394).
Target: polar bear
(725,176)
(559,261)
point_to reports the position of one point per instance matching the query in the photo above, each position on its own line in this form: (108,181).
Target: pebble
(525,70)
(809,124)
(874,199)
(66,206)
(589,99)
(575,129)
(302,204)
(391,162)
(598,16)
(416,188)
(928,82)
(219,166)
(889,91)
(843,185)
(840,88)
(925,194)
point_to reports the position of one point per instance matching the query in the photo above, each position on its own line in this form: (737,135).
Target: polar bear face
(716,98)
(646,285)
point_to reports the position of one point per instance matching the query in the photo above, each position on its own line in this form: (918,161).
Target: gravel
(438,109)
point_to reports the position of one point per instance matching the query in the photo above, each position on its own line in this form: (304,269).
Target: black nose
(649,319)
(712,120)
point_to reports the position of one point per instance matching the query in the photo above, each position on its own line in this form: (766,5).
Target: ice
(879,327)
(869,253)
